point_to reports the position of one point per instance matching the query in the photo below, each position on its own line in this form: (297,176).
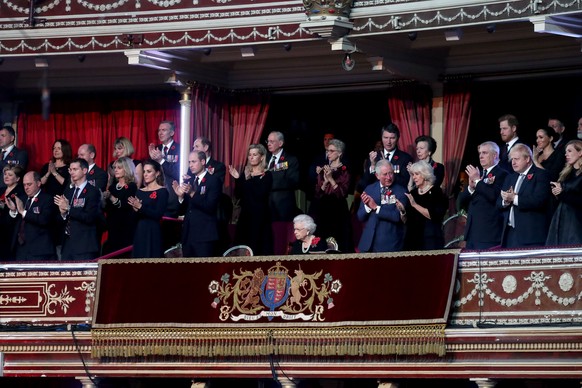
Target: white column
(483,382)
(287,383)
(185,124)
(86,382)
(387,384)
(437,120)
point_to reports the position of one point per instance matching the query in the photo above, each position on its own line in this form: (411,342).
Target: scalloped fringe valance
(232,342)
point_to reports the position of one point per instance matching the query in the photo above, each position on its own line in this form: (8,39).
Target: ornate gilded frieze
(495,290)
(47,295)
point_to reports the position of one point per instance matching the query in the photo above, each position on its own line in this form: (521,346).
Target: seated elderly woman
(307,242)
(426,210)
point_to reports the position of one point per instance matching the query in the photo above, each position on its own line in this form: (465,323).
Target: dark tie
(272,162)
(21,236)
(68,225)
(165,150)
(195,184)
(484,175)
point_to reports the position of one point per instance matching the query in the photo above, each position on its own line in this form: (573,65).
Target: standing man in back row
(285,170)
(399,159)
(508,131)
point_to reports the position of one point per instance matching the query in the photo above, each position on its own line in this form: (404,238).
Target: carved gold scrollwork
(89,288)
(63,299)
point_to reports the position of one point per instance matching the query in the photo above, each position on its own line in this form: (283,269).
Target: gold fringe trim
(232,342)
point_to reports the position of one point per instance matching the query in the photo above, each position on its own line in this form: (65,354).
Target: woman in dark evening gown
(306,242)
(425,148)
(55,174)
(150,204)
(252,188)
(121,219)
(566,225)
(124,148)
(330,210)
(426,210)
(544,155)
(12,175)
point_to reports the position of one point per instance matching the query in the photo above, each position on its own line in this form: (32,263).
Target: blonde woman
(253,188)
(124,148)
(567,220)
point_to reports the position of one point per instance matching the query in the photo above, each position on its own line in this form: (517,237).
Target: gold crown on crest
(327,8)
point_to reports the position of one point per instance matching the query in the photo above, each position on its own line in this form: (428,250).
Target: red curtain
(457,115)
(231,121)
(410,107)
(96,120)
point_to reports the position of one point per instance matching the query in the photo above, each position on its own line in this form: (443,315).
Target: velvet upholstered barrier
(358,304)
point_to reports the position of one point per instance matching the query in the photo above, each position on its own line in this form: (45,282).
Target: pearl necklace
(118,186)
(424,190)
(306,249)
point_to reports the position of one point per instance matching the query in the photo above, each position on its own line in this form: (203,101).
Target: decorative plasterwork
(179,24)
(527,289)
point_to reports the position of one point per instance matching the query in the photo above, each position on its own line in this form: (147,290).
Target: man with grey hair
(383,208)
(484,221)
(285,171)
(524,198)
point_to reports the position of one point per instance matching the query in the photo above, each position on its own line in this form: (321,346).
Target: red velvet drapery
(96,120)
(457,115)
(231,121)
(410,107)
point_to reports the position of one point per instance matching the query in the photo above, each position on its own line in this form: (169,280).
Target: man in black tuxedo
(80,209)
(96,175)
(36,213)
(508,131)
(167,153)
(9,154)
(525,200)
(213,166)
(390,135)
(484,221)
(285,171)
(199,200)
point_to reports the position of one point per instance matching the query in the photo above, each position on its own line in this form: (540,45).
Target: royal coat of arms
(251,295)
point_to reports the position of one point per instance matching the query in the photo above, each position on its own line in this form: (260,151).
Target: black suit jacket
(171,168)
(201,221)
(171,174)
(504,162)
(83,218)
(484,219)
(285,182)
(16,156)
(38,225)
(97,177)
(400,160)
(216,168)
(531,215)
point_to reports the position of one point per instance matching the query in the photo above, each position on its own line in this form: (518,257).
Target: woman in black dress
(121,219)
(426,210)
(150,204)
(55,174)
(567,220)
(544,155)
(253,188)
(307,242)
(12,175)
(425,148)
(331,212)
(124,148)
